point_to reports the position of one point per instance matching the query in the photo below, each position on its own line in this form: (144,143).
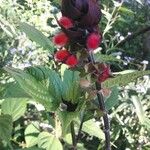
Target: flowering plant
(74,88)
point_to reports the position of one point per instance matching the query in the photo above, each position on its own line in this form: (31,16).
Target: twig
(74,143)
(132,36)
(103,109)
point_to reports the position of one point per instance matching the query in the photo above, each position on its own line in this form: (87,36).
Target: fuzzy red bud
(93,41)
(61,55)
(66,22)
(71,61)
(60,39)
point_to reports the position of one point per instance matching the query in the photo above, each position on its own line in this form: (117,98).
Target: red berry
(104,75)
(60,39)
(71,61)
(61,55)
(93,41)
(66,22)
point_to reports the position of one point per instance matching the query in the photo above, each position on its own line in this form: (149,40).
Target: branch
(132,36)
(103,109)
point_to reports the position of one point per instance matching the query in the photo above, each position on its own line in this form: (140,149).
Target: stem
(103,109)
(80,128)
(74,142)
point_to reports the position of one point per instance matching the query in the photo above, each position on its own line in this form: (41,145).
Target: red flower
(105,74)
(93,41)
(61,55)
(66,22)
(71,61)
(60,39)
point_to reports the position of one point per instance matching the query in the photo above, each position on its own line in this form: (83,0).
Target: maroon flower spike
(86,12)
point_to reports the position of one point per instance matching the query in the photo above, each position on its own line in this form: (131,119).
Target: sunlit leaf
(14,107)
(37,36)
(48,141)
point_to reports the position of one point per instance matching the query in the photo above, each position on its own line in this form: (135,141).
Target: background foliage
(26,124)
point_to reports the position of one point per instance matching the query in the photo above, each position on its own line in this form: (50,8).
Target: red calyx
(93,41)
(60,39)
(61,55)
(104,75)
(71,61)
(66,22)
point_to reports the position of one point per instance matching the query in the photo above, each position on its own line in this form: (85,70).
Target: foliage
(40,98)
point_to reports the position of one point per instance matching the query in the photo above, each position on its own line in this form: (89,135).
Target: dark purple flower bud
(86,13)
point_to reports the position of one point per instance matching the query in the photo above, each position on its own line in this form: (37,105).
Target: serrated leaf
(93,129)
(106,58)
(13,90)
(71,89)
(37,90)
(49,78)
(48,141)
(5,127)
(122,80)
(31,134)
(112,100)
(14,107)
(37,36)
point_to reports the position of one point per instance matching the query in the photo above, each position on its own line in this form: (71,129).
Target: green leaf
(14,107)
(66,118)
(49,78)
(37,36)
(93,129)
(71,89)
(138,108)
(31,134)
(38,90)
(112,100)
(13,90)
(106,58)
(31,148)
(122,80)
(49,142)
(126,11)
(5,127)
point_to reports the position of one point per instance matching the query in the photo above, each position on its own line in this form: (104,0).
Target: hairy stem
(103,109)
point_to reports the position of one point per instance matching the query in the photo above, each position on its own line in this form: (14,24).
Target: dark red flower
(86,12)
(66,22)
(71,61)
(60,39)
(93,41)
(61,55)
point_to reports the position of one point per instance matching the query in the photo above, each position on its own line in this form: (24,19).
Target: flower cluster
(66,57)
(79,32)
